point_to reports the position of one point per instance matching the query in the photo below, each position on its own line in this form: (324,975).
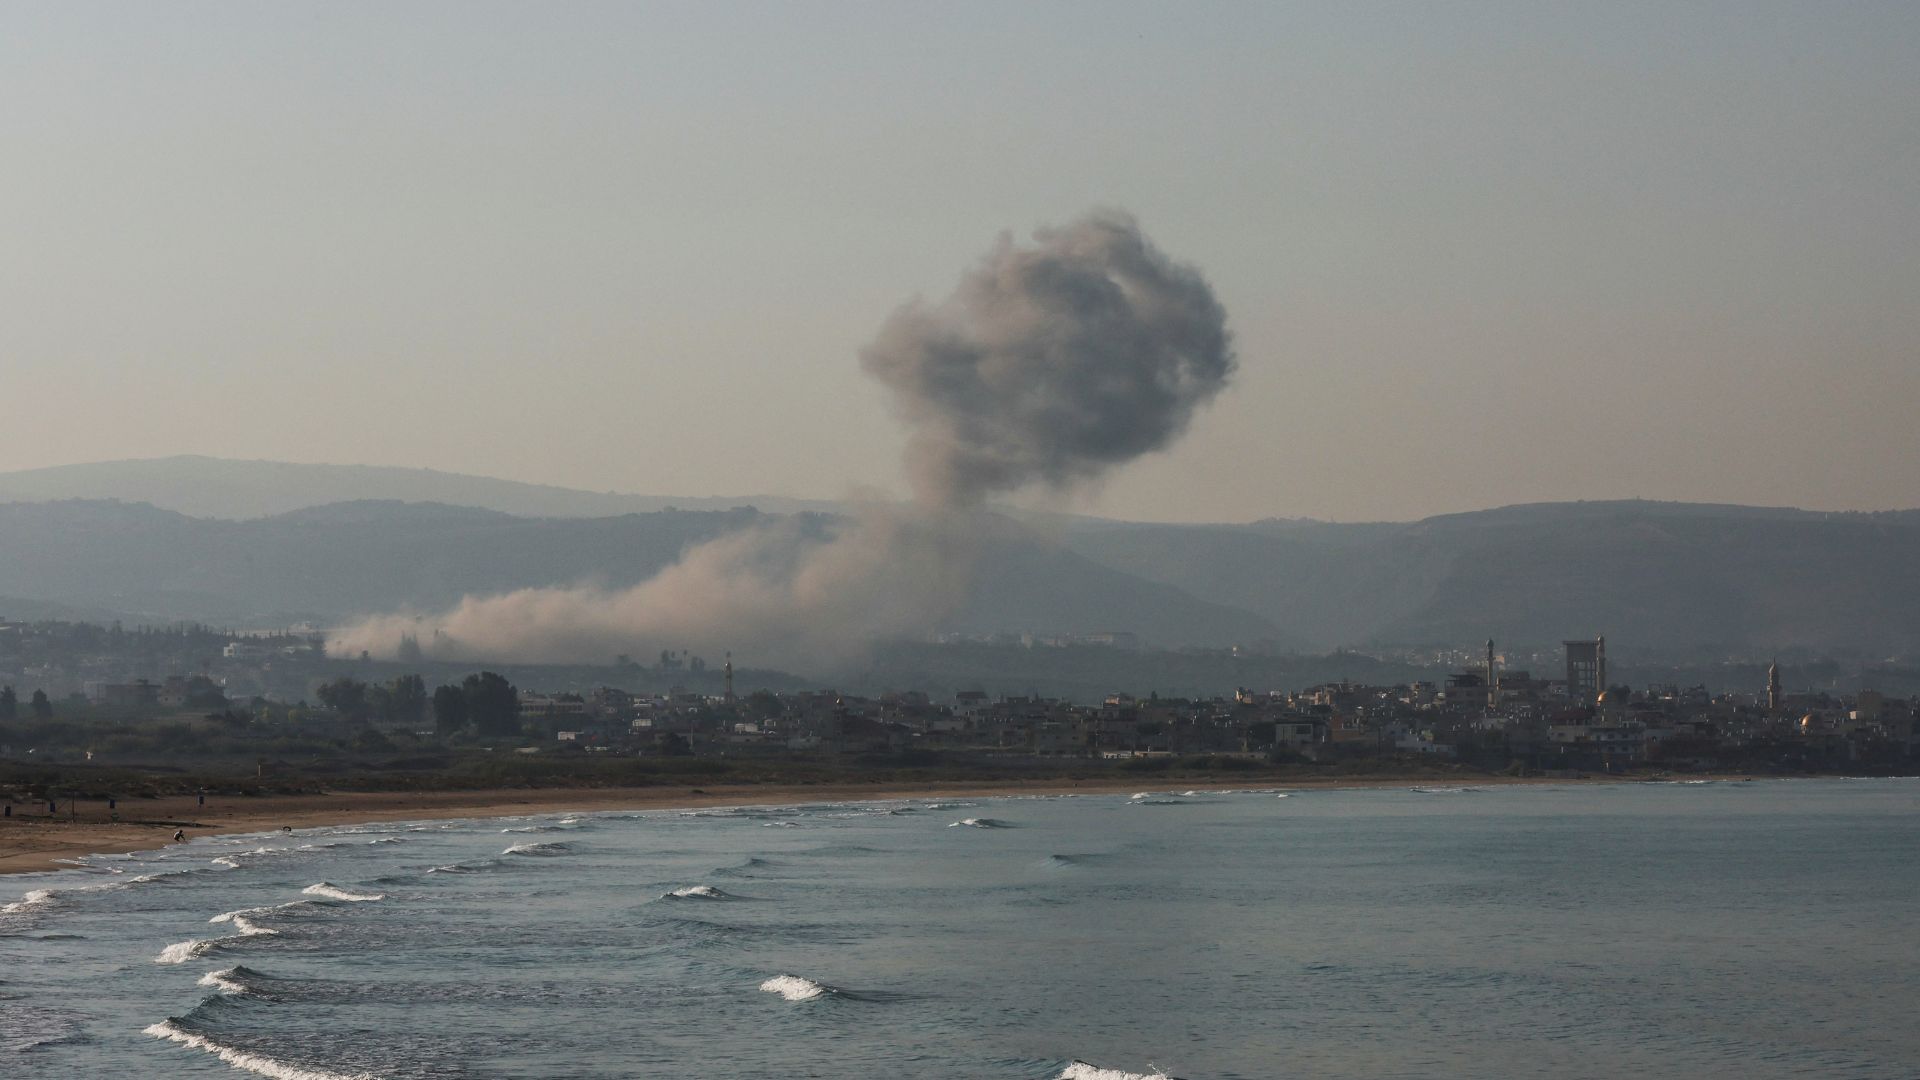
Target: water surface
(1745,930)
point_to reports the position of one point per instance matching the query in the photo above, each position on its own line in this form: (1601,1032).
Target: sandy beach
(32,841)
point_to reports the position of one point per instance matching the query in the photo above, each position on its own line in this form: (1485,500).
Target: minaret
(729,674)
(1773,686)
(1493,679)
(1600,665)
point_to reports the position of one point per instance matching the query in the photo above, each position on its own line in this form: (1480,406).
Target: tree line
(485,702)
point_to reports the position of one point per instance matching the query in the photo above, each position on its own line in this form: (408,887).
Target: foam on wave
(980,823)
(795,988)
(698,892)
(37,900)
(237,980)
(551,847)
(239,917)
(1081,1070)
(259,1064)
(335,892)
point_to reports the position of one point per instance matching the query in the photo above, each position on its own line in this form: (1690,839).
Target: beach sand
(31,841)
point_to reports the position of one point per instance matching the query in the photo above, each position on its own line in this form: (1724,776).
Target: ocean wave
(551,847)
(1142,800)
(36,900)
(335,892)
(238,980)
(243,1059)
(182,951)
(534,829)
(795,988)
(287,908)
(1444,790)
(981,823)
(1082,1070)
(260,854)
(384,840)
(779,824)
(699,892)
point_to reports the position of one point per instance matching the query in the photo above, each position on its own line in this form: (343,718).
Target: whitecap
(226,980)
(335,892)
(549,848)
(236,917)
(32,901)
(979,823)
(698,892)
(182,951)
(795,988)
(242,1059)
(1081,1070)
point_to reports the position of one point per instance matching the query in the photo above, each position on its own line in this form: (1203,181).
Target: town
(278,697)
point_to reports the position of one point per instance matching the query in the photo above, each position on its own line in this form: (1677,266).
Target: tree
(492,703)
(204,693)
(449,709)
(9,703)
(42,708)
(401,701)
(348,697)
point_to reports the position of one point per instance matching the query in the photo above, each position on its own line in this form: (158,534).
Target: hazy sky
(1471,254)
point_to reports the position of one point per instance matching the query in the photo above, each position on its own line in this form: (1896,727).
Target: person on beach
(180,835)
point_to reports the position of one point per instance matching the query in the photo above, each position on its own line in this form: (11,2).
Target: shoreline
(37,844)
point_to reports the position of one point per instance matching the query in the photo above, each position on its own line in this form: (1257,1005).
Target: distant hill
(225,488)
(1666,576)
(326,541)
(331,563)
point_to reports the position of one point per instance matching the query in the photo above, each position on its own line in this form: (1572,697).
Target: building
(1586,669)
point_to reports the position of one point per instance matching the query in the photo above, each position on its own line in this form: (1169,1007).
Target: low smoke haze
(1476,254)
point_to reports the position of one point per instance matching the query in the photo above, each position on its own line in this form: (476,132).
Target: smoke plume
(1048,365)
(1052,364)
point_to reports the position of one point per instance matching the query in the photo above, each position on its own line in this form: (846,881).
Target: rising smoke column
(1052,364)
(1049,365)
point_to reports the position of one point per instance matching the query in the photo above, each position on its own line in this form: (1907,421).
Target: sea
(1766,928)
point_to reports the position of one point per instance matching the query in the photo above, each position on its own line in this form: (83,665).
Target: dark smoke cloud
(1051,364)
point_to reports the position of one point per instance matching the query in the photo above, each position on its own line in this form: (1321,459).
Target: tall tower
(1773,686)
(729,677)
(1493,679)
(1586,670)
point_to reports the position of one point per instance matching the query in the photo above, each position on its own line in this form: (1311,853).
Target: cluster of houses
(1537,723)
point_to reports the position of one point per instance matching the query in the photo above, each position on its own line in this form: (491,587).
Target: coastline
(37,844)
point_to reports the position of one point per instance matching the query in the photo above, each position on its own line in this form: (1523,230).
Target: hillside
(224,488)
(331,563)
(1664,576)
